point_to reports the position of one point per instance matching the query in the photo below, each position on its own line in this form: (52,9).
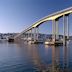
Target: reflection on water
(35,58)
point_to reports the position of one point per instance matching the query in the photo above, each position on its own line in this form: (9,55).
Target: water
(35,58)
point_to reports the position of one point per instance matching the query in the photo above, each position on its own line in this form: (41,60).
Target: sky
(17,15)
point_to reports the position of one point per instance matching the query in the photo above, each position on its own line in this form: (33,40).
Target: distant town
(5,36)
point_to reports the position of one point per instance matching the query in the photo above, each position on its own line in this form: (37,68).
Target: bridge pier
(67,19)
(33,37)
(53,30)
(31,34)
(36,35)
(55,34)
(57,30)
(65,28)
(25,37)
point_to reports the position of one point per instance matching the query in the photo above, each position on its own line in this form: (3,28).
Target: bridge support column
(26,36)
(23,36)
(67,19)
(64,30)
(34,34)
(53,30)
(31,34)
(57,30)
(37,29)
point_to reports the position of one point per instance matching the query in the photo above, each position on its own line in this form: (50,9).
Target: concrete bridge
(31,34)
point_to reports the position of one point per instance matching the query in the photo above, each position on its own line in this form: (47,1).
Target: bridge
(31,34)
